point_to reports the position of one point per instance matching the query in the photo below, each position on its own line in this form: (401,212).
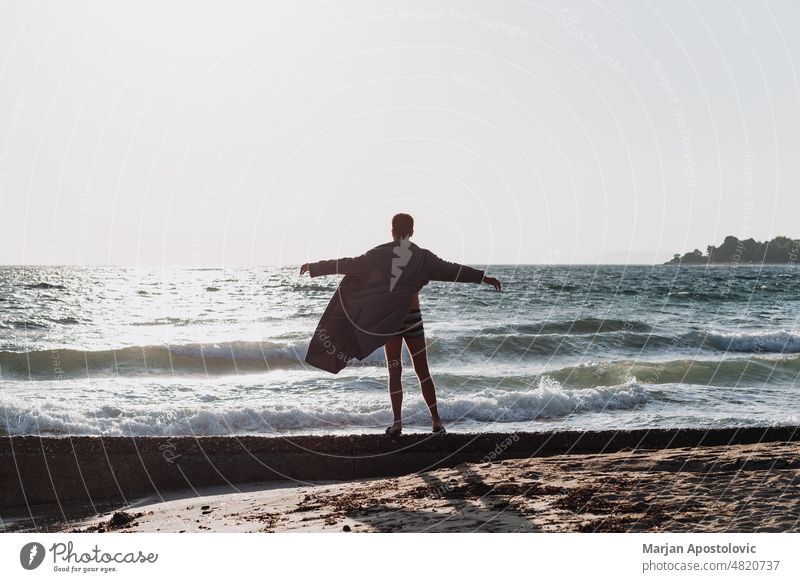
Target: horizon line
(466,263)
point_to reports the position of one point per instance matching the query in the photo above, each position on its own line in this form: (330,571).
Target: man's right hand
(493,282)
(303,269)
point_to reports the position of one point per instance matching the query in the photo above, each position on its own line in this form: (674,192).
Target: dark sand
(738,488)
(723,480)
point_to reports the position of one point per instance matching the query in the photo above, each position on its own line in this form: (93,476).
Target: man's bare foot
(438,428)
(395,429)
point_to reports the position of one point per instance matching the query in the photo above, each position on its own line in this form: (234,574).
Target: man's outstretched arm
(343,266)
(440,270)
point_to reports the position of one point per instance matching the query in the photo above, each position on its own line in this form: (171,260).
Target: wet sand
(722,488)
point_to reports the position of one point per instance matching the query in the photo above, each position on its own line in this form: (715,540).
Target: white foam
(781,341)
(548,399)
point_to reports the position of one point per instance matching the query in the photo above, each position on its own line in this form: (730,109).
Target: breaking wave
(546,400)
(750,341)
(187,359)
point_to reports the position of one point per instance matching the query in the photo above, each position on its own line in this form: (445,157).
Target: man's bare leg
(419,355)
(394,362)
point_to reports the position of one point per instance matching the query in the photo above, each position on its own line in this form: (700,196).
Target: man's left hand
(493,282)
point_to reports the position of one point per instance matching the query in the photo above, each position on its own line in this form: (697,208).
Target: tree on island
(780,250)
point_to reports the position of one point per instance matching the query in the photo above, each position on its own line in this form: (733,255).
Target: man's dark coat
(373,299)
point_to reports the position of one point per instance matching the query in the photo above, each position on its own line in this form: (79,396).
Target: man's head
(402,226)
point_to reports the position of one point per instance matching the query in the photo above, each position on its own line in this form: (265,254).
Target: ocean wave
(546,400)
(515,346)
(176,321)
(41,323)
(564,287)
(515,341)
(44,285)
(186,359)
(588,325)
(23,324)
(780,341)
(195,359)
(695,295)
(247,357)
(729,372)
(311,287)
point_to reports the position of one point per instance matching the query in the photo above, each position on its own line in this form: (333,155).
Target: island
(780,250)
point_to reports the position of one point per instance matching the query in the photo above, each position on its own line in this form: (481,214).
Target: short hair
(402,224)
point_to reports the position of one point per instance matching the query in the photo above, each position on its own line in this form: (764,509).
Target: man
(377,304)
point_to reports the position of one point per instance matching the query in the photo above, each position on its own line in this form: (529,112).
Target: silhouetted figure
(377,304)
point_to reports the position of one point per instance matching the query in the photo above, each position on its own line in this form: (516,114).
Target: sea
(219,351)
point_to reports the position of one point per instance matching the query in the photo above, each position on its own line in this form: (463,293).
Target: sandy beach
(733,488)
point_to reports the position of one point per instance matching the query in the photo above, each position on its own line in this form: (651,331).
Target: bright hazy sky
(216,133)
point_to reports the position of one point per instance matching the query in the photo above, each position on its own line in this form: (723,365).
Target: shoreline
(51,480)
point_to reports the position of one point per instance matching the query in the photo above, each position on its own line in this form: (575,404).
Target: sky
(249,133)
